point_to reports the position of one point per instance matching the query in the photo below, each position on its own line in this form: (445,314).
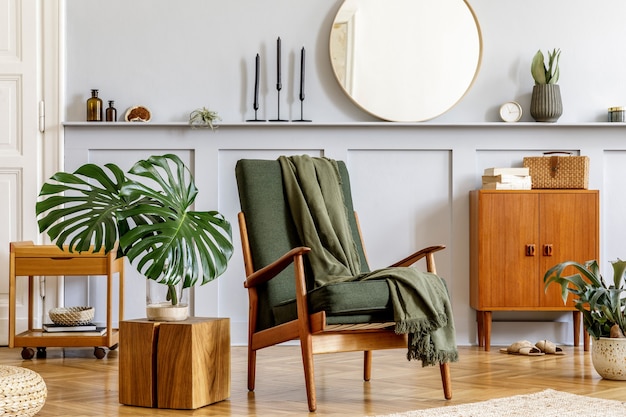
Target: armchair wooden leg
(306,345)
(251,368)
(446,380)
(367,365)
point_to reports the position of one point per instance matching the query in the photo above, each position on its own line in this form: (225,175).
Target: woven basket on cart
(72,316)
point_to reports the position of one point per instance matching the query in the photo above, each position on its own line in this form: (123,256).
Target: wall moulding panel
(410,182)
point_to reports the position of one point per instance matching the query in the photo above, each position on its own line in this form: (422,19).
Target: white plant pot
(608,356)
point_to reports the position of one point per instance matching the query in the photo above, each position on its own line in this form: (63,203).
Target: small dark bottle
(94,107)
(111,112)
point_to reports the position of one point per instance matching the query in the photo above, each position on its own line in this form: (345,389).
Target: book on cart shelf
(58,328)
(99,331)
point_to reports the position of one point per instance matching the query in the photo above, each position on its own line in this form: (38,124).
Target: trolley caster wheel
(114,346)
(27,353)
(99,352)
(41,353)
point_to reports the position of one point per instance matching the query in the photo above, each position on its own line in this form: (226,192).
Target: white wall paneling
(410,185)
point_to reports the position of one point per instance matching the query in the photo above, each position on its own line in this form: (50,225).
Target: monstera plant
(145,216)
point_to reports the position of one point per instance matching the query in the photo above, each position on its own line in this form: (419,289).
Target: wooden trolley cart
(30,260)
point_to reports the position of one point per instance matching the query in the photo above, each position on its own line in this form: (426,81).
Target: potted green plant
(603,306)
(146,216)
(545,102)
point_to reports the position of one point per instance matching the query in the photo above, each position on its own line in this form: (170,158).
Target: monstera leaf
(149,218)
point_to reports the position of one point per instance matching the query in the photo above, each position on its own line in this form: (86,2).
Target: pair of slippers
(524,347)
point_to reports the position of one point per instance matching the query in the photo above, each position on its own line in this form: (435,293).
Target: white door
(23,157)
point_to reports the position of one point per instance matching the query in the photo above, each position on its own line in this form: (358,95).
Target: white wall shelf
(350,124)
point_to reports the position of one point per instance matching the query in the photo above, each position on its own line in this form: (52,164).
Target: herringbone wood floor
(80,385)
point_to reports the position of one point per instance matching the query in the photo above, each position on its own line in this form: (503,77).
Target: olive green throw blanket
(420,300)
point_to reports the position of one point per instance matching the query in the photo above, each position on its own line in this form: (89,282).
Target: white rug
(548,403)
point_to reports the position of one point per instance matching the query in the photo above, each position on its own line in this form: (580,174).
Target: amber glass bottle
(111,112)
(94,107)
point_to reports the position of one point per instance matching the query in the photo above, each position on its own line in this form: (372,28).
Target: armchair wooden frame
(311,330)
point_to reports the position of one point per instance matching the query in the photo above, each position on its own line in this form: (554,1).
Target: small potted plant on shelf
(203,118)
(145,216)
(545,102)
(603,308)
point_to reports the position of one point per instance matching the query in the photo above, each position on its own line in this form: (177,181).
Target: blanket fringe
(422,325)
(421,346)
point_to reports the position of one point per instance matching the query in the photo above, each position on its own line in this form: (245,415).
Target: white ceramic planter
(608,356)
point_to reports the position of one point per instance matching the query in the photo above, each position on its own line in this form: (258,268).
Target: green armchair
(346,316)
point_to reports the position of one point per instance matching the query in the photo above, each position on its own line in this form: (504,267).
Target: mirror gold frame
(406,60)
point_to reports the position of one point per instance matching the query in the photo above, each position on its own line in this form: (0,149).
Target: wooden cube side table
(179,365)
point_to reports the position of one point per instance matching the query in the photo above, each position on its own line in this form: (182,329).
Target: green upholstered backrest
(271,230)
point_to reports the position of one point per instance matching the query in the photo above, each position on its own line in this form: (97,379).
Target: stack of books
(507,179)
(81,330)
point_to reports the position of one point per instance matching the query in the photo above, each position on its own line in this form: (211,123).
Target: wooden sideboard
(515,237)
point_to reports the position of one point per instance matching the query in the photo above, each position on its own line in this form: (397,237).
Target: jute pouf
(22,391)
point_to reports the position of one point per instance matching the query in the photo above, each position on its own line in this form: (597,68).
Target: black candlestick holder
(278,119)
(301,119)
(255,104)
(255,117)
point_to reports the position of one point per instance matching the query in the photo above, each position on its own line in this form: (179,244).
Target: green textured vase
(545,103)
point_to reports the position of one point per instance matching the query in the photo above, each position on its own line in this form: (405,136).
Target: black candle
(302,74)
(256,83)
(278,84)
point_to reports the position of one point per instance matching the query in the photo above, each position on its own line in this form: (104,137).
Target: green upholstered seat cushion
(271,230)
(344,302)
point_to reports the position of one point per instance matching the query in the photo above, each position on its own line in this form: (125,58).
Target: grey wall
(175,56)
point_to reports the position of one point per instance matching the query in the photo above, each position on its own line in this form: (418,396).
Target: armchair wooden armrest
(426,252)
(270,271)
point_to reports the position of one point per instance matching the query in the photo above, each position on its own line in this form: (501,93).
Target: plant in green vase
(545,103)
(146,216)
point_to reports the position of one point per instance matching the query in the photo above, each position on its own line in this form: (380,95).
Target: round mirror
(405,60)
